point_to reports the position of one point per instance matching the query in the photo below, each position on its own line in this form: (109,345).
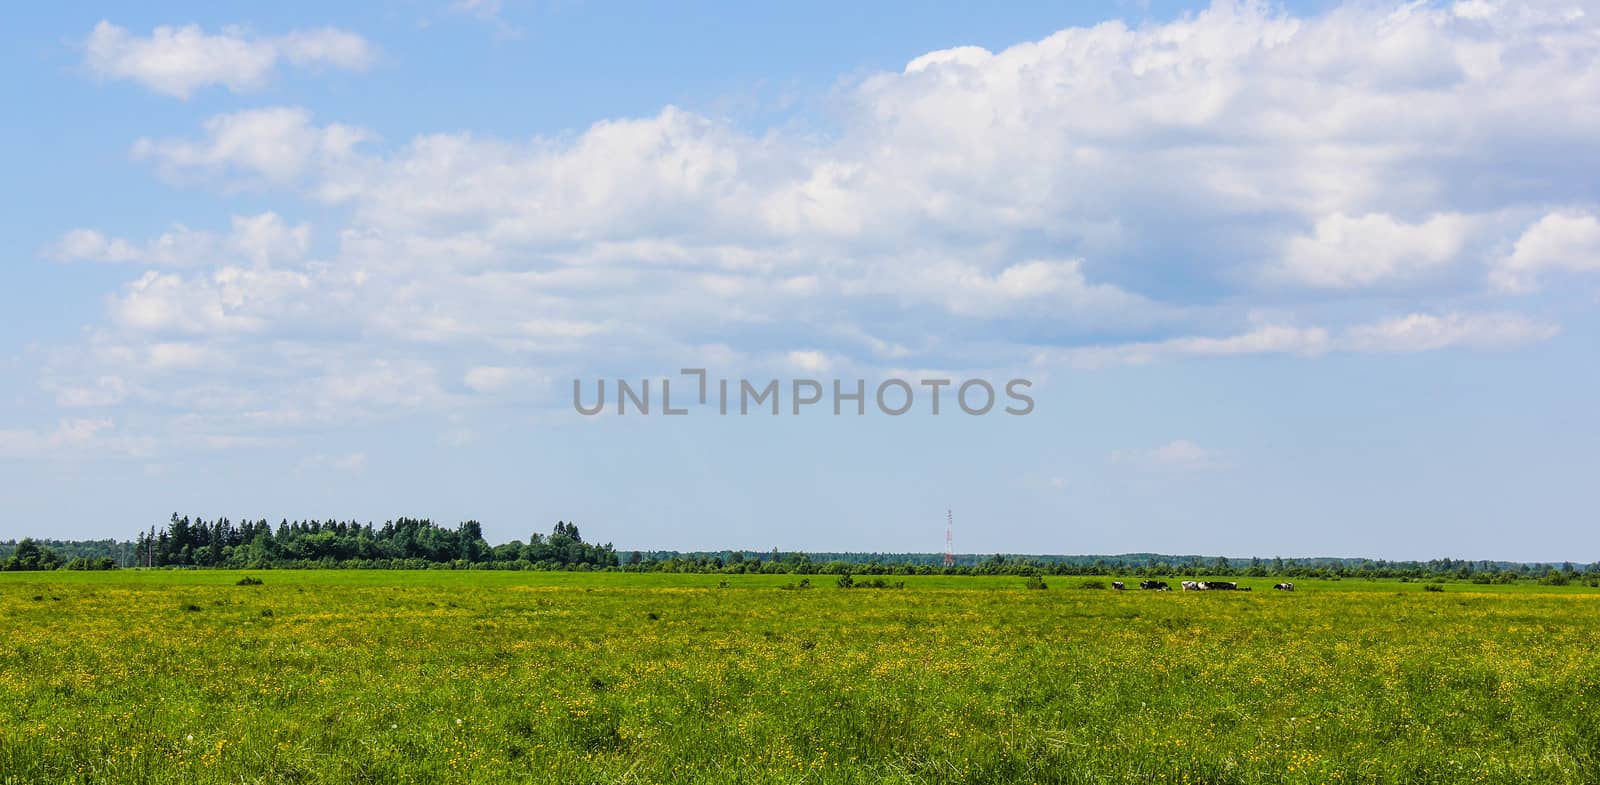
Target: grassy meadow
(431,676)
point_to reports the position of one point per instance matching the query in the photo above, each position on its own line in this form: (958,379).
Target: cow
(1117,585)
(1193,586)
(1220,586)
(1154,585)
(1283,586)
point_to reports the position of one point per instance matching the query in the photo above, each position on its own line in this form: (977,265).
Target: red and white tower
(949,538)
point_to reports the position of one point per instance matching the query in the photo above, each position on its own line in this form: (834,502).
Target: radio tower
(949,538)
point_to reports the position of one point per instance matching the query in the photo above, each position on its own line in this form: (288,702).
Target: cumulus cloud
(1564,240)
(260,239)
(276,145)
(177,61)
(229,300)
(1344,251)
(1033,287)
(1104,195)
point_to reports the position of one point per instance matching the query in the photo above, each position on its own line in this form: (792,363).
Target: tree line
(1132,566)
(28,554)
(419,543)
(404,543)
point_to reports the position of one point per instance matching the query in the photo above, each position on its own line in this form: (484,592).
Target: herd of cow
(1199,586)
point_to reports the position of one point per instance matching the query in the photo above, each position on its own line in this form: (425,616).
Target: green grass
(381,677)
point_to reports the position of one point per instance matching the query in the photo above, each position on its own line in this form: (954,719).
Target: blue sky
(1307,279)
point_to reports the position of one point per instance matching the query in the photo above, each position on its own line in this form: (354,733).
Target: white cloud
(264,238)
(1410,333)
(1473,9)
(89,244)
(1254,113)
(176,61)
(1180,454)
(1040,288)
(1563,240)
(1265,339)
(375,384)
(104,391)
(1103,195)
(1270,123)
(1344,251)
(809,361)
(277,145)
(229,300)
(260,239)
(167,355)
(1428,332)
(75,437)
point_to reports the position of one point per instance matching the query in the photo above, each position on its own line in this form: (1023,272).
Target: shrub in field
(90,563)
(1432,587)
(1035,582)
(1092,584)
(845,581)
(248,581)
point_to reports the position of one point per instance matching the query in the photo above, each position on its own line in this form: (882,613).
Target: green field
(436,676)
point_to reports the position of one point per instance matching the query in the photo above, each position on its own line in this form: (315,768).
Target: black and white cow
(1154,585)
(1117,585)
(1283,586)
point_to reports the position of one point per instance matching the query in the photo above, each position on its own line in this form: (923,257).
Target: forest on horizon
(419,543)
